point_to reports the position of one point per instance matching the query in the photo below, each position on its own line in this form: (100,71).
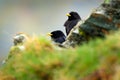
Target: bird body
(73,19)
(57,36)
(69,25)
(59,40)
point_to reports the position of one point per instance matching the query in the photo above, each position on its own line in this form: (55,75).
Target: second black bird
(57,36)
(73,18)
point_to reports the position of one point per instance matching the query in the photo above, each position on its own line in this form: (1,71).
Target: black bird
(73,18)
(57,36)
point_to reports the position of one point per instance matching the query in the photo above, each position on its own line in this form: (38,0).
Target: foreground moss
(41,60)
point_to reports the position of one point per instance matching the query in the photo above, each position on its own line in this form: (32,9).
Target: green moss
(41,60)
(107,1)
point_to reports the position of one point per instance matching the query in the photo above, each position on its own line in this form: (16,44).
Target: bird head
(73,15)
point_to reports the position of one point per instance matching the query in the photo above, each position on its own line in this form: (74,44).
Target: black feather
(58,36)
(72,21)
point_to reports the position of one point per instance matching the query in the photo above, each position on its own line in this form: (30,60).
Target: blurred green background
(37,17)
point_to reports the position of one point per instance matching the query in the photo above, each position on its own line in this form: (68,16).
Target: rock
(102,20)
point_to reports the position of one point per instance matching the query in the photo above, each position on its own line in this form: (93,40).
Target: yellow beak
(49,34)
(68,14)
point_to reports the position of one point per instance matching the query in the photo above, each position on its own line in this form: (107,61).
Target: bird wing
(70,25)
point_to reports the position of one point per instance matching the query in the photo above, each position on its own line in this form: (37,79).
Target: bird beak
(49,34)
(68,14)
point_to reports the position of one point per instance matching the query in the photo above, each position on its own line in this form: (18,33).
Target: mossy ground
(41,60)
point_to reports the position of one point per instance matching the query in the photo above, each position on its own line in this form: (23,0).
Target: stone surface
(102,20)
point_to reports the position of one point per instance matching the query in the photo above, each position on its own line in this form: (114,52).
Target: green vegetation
(107,1)
(41,60)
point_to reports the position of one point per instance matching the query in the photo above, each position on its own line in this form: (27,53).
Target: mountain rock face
(102,20)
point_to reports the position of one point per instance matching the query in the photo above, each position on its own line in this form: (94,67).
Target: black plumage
(57,36)
(73,18)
